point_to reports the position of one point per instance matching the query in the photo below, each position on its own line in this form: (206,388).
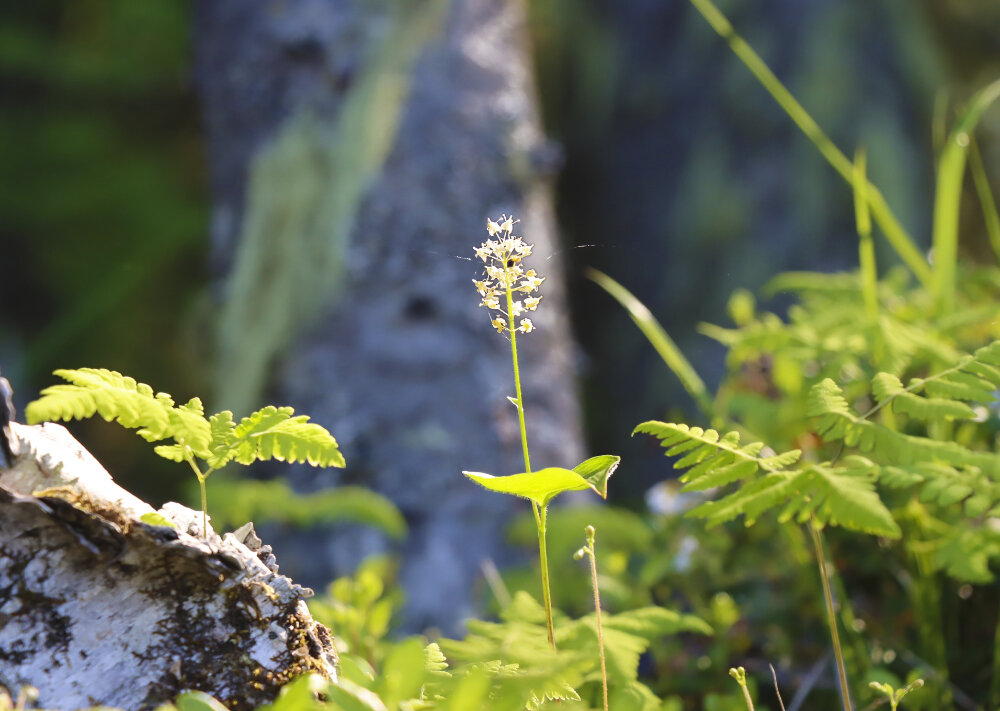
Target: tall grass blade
(886,220)
(866,248)
(985,194)
(948,197)
(659,339)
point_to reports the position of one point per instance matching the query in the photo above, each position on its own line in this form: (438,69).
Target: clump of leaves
(269,433)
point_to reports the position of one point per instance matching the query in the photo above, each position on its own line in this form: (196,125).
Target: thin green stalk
(740,675)
(543,555)
(831,615)
(517,383)
(866,248)
(590,550)
(539,512)
(891,228)
(659,339)
(204,496)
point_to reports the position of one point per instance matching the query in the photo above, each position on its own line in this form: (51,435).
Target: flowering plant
(505,276)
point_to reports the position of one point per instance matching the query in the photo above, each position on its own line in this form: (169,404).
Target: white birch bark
(97,607)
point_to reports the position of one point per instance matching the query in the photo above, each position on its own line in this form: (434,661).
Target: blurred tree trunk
(356,149)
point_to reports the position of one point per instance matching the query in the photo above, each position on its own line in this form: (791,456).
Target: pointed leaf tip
(597,471)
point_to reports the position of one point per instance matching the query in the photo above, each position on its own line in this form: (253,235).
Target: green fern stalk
(204,494)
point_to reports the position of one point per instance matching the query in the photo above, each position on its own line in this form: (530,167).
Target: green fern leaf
(272,433)
(835,421)
(173,452)
(652,622)
(720,459)
(886,386)
(134,405)
(843,496)
(751,500)
(967,386)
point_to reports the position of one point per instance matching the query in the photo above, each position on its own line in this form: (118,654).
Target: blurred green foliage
(103,211)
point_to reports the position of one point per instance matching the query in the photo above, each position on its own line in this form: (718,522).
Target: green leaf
(540,486)
(154,519)
(597,471)
(471,692)
(273,433)
(222,447)
(402,673)
(134,405)
(301,695)
(198,701)
(634,696)
(434,659)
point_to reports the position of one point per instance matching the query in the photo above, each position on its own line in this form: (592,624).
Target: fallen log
(104,603)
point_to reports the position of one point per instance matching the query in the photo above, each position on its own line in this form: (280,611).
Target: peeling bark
(97,607)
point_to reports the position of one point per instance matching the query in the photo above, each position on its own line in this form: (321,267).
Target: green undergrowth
(827,532)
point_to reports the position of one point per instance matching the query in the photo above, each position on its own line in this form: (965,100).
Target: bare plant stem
(831,615)
(591,551)
(536,509)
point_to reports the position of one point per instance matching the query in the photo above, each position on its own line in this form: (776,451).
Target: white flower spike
(504,275)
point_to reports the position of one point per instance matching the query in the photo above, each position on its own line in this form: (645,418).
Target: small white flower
(504,274)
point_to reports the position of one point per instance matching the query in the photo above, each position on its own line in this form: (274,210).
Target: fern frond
(836,421)
(272,433)
(888,388)
(134,405)
(713,460)
(839,496)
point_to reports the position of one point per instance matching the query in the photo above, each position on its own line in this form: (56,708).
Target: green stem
(830,614)
(544,561)
(592,553)
(204,496)
(517,387)
(536,509)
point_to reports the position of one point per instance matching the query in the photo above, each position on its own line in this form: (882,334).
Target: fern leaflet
(833,495)
(272,433)
(134,405)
